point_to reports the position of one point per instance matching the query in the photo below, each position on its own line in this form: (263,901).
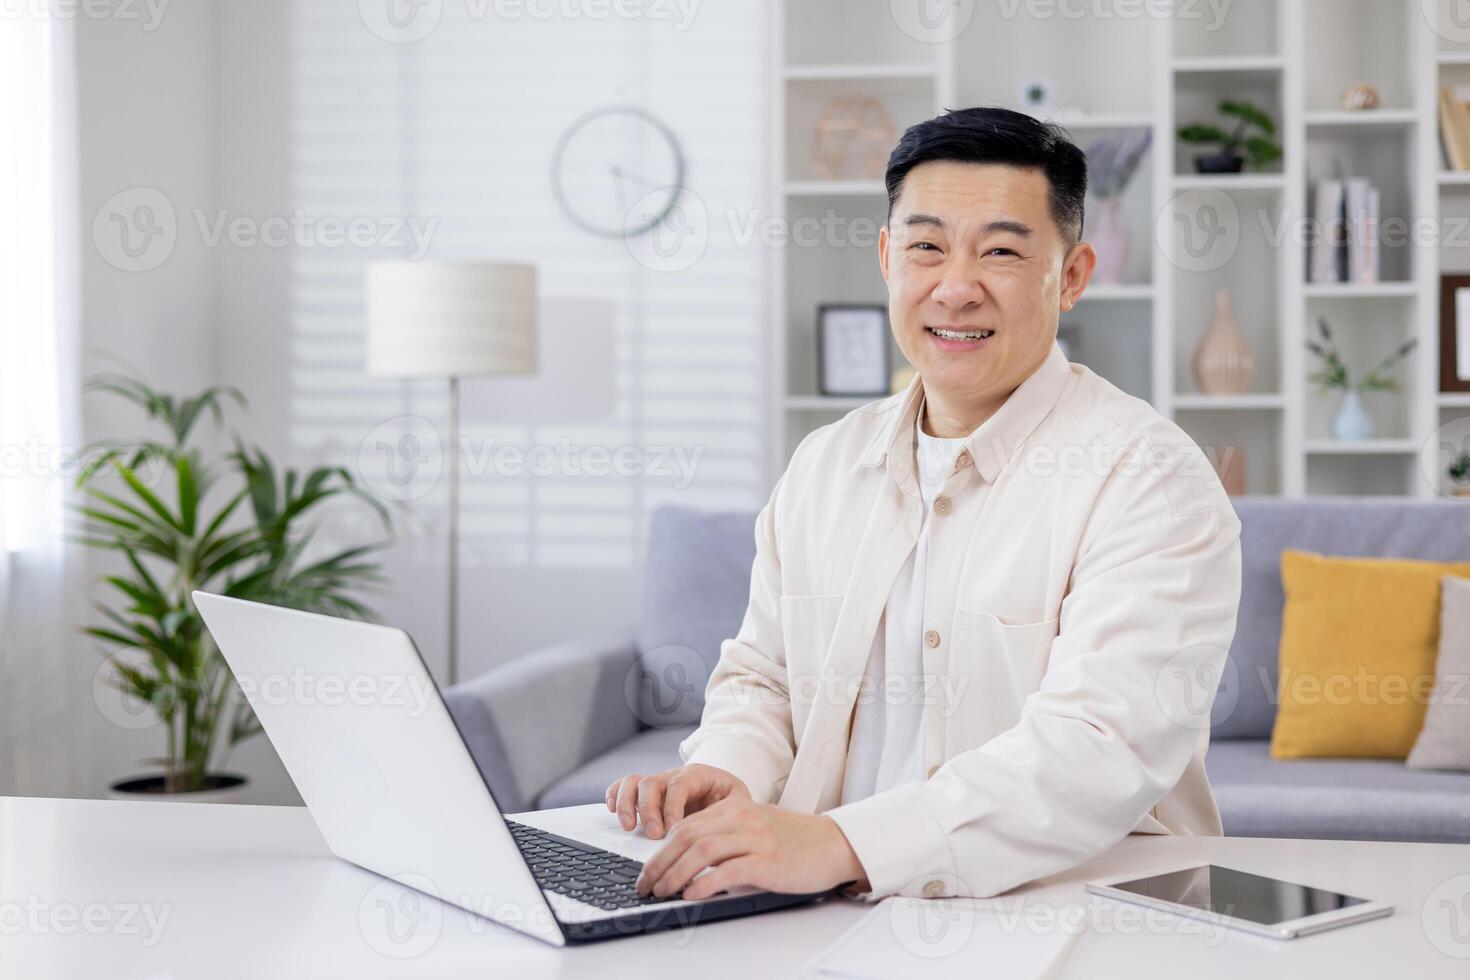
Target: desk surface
(133,890)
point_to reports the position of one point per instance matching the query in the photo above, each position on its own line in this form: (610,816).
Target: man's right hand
(664,798)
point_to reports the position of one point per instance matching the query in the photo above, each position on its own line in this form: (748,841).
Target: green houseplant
(233,525)
(1259,149)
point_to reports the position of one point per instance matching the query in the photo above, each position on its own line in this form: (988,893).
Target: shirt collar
(993,443)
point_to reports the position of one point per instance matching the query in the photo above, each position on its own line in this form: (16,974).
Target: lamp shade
(450,319)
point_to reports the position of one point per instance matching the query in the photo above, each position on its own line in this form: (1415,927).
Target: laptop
(359,724)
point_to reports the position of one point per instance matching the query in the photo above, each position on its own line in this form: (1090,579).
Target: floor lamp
(451,320)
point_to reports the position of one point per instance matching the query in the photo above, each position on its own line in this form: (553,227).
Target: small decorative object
(853,138)
(1360,96)
(1222,362)
(900,378)
(852,349)
(1454,333)
(1111,163)
(1229,463)
(1459,472)
(1352,420)
(1036,94)
(1259,150)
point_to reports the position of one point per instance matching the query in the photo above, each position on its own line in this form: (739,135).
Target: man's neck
(952,418)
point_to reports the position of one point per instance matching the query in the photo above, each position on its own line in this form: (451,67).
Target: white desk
(245,891)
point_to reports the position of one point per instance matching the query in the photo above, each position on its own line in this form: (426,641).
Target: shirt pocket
(994,666)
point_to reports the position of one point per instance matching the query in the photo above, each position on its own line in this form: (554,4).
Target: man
(986,613)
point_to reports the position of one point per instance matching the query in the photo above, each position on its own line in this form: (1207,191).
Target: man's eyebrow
(1014,227)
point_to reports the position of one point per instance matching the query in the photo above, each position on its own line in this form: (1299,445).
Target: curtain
(44,670)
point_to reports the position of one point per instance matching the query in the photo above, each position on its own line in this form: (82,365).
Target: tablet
(1241,900)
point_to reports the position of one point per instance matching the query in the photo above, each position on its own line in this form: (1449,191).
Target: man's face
(972,248)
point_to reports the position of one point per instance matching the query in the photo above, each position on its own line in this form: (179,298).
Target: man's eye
(925,245)
(1003,249)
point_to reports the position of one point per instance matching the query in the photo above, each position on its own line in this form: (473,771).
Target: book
(1455,158)
(1327,212)
(1361,229)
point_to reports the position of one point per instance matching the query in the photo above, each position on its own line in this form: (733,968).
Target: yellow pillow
(1359,637)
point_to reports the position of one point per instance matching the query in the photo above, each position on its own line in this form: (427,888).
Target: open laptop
(359,724)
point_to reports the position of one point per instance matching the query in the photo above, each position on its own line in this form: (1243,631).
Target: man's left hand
(748,843)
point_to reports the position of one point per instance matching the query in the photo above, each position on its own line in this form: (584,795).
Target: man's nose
(960,288)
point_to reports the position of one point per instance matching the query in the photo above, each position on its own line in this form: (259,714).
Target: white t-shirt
(886,748)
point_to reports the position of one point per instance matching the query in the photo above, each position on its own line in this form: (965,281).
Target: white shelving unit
(1108,73)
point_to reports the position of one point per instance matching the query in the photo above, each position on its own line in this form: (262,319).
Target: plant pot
(1461,490)
(1220,163)
(223,787)
(1352,421)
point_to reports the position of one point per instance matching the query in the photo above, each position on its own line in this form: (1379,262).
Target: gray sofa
(553,728)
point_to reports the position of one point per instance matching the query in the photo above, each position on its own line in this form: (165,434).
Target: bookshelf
(1107,74)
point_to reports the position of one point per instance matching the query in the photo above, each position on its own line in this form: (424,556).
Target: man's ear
(1076,273)
(883,250)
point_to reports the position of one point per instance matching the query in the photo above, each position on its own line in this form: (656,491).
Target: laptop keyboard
(587,874)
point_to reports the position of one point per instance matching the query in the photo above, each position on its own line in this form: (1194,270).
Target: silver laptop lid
(356,719)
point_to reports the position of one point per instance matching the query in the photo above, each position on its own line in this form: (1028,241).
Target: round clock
(617,171)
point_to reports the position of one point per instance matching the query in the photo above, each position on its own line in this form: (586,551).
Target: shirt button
(942,506)
(934,889)
(962,460)
(931,637)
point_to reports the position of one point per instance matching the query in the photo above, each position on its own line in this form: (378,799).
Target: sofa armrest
(530,722)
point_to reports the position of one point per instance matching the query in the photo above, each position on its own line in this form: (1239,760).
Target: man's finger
(706,852)
(677,795)
(688,832)
(627,800)
(743,870)
(650,805)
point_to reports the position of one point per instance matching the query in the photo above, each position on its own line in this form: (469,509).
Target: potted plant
(1459,471)
(1111,164)
(1351,420)
(1258,149)
(231,525)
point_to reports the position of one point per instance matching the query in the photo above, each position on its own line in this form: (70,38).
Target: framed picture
(852,349)
(1454,333)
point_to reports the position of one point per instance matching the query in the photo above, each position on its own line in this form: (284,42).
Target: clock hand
(639,178)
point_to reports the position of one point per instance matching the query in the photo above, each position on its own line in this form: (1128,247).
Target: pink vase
(1111,241)
(1222,363)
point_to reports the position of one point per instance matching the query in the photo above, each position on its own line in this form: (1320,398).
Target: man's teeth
(957,335)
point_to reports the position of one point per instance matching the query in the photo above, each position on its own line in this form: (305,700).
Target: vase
(1112,242)
(1222,362)
(1352,421)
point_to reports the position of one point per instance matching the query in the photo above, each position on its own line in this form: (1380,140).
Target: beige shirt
(1079,610)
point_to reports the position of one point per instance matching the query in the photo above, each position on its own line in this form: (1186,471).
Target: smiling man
(986,614)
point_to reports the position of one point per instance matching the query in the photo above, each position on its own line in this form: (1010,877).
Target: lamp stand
(453,666)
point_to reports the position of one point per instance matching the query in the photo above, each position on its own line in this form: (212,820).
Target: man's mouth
(945,333)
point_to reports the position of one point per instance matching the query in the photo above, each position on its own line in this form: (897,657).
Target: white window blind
(455,132)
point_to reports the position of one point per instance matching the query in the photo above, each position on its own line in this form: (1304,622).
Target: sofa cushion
(1356,526)
(1346,799)
(651,750)
(697,587)
(1444,742)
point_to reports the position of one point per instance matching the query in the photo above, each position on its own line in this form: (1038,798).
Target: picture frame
(1454,333)
(852,350)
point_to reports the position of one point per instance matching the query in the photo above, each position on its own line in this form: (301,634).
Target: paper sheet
(941,938)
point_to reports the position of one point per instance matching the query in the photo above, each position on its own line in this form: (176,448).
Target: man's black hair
(989,134)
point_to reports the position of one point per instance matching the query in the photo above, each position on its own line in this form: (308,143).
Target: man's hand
(748,843)
(663,799)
